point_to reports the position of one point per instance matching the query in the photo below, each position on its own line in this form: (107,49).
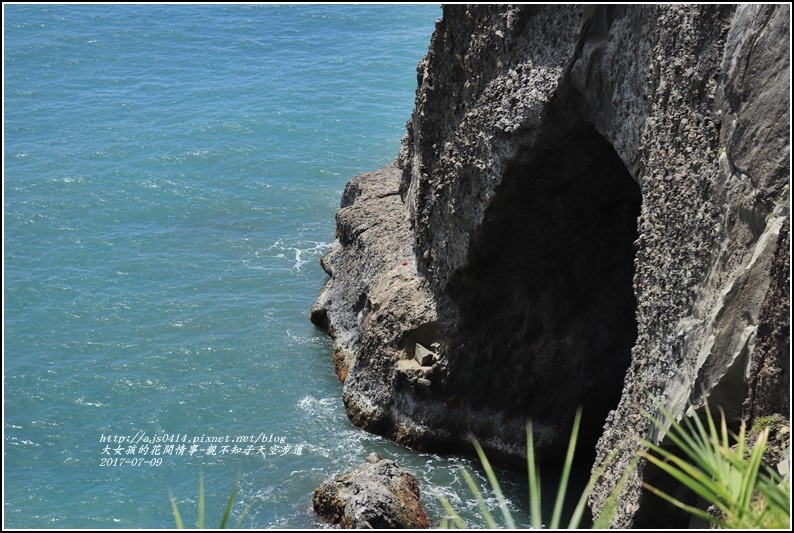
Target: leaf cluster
(720,468)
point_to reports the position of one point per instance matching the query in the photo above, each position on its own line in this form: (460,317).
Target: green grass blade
(694,442)
(707,440)
(453,515)
(228,511)
(610,506)
(566,472)
(704,446)
(534,482)
(777,514)
(688,508)
(490,523)
(495,486)
(688,477)
(240,518)
(682,442)
(711,488)
(175,509)
(752,468)
(776,492)
(201,501)
(712,435)
(740,439)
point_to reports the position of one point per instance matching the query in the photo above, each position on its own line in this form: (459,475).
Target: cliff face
(590,205)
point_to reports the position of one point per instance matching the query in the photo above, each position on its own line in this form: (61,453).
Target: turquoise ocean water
(171,175)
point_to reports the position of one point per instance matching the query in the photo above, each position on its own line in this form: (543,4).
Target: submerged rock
(375,495)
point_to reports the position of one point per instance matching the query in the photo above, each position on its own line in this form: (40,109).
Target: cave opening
(546,302)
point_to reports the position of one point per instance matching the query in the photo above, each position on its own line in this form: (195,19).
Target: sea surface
(170,178)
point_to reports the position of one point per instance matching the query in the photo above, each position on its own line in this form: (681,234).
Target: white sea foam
(83,401)
(317,407)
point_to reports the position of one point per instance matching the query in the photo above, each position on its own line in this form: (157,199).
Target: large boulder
(377,494)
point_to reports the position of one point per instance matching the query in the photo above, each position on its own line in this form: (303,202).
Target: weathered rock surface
(590,208)
(375,495)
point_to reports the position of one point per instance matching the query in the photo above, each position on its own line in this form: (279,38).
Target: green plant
(731,478)
(722,469)
(536,517)
(200,522)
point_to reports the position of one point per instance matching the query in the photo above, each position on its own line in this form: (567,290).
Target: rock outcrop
(590,209)
(377,494)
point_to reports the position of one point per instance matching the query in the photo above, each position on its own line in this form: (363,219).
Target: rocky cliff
(590,209)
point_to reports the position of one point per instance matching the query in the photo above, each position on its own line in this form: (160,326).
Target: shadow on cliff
(548,290)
